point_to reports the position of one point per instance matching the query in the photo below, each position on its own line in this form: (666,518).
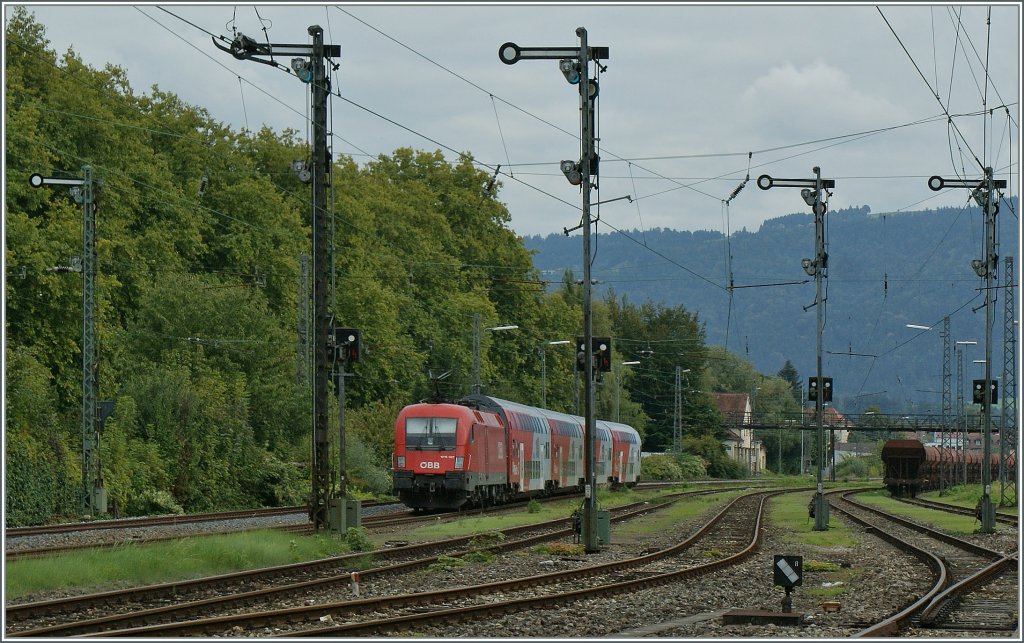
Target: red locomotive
(483,450)
(910,467)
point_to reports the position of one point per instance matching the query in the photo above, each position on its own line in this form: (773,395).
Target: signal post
(574,63)
(983,192)
(817,268)
(309,67)
(83,190)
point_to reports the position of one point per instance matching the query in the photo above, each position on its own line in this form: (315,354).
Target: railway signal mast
(811,190)
(1008,426)
(574,63)
(83,190)
(308,65)
(983,192)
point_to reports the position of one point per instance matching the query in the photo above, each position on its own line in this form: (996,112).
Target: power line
(933,92)
(668,259)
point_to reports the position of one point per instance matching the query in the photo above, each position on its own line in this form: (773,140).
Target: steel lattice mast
(946,464)
(1008,430)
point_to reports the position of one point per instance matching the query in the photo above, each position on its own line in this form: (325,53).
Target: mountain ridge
(885,270)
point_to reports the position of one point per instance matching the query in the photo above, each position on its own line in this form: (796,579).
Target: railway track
(329,607)
(306,616)
(1001,517)
(947,558)
(142,606)
(733,534)
(150,521)
(985,602)
(124,535)
(110,534)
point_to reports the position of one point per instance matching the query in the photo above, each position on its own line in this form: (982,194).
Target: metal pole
(618,391)
(321,264)
(801,451)
(945,442)
(832,451)
(590,506)
(821,506)
(94,500)
(476,353)
(1008,430)
(987,509)
(677,413)
(302,348)
(340,388)
(961,420)
(543,379)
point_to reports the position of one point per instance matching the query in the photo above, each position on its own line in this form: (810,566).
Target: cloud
(816,99)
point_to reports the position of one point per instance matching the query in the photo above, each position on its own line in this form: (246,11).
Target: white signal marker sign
(787,570)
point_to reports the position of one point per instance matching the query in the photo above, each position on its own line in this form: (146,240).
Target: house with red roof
(740,443)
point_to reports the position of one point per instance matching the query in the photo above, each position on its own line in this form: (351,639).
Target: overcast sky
(688,92)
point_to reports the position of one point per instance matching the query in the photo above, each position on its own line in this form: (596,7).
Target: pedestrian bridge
(806,421)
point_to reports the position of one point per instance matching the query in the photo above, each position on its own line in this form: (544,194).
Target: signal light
(346,344)
(571,170)
(570,70)
(812,389)
(602,347)
(302,69)
(978,392)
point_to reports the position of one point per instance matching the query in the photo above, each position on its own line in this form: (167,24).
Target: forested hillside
(200,230)
(886,270)
(199,234)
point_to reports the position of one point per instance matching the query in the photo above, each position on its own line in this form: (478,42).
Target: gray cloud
(682,81)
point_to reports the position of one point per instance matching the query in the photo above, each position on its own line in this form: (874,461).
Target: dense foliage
(200,232)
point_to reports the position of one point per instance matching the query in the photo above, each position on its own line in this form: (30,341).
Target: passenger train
(484,450)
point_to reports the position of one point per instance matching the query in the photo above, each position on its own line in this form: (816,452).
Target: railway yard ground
(852,578)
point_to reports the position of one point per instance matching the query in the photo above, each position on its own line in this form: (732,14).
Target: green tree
(788,373)
(662,339)
(710,449)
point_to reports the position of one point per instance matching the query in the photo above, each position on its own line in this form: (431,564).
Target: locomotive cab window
(430,434)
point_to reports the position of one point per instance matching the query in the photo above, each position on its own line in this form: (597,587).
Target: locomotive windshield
(430,434)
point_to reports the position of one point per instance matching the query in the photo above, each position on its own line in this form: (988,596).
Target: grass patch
(828,582)
(819,566)
(941,520)
(146,564)
(682,510)
(445,562)
(559,549)
(968,496)
(789,513)
(474,522)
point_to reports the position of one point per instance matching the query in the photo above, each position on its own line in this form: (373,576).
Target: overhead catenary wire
(490,166)
(645,243)
(932,90)
(502,135)
(470,82)
(250,83)
(669,259)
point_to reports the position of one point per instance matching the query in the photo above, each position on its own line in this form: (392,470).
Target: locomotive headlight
(400,462)
(458,462)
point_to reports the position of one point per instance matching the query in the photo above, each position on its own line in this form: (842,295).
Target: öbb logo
(430,465)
